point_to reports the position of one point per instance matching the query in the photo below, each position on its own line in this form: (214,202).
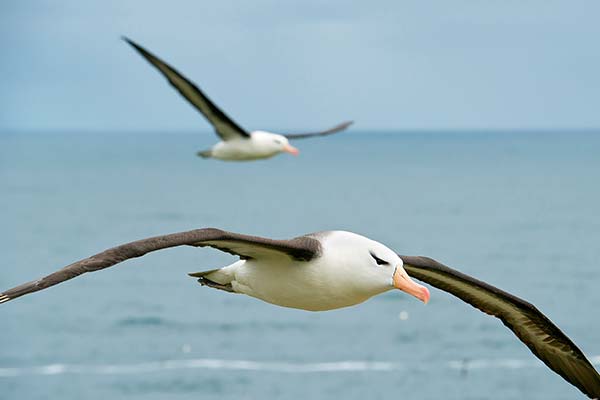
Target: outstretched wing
(532,327)
(301,248)
(226,128)
(337,128)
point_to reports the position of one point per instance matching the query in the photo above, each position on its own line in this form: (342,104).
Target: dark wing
(301,248)
(226,128)
(337,128)
(532,327)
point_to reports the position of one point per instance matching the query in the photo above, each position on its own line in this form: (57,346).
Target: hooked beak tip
(424,295)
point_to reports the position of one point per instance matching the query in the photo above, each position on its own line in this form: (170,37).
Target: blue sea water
(519,210)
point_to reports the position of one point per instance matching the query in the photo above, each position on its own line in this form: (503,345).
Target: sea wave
(246,365)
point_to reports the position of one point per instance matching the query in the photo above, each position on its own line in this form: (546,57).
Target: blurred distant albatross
(334,269)
(237,144)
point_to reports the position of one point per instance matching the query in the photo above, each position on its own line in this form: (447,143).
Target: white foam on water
(246,365)
(202,363)
(494,364)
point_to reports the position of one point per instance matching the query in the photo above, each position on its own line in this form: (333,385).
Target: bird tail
(218,280)
(202,274)
(205,153)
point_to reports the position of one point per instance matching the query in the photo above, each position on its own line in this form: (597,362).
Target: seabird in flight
(334,269)
(236,143)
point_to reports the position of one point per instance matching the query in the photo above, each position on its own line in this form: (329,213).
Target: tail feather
(205,153)
(202,274)
(218,281)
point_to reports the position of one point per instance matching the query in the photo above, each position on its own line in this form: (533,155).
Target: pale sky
(296,65)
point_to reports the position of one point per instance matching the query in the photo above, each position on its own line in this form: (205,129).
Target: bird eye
(378,260)
(277,141)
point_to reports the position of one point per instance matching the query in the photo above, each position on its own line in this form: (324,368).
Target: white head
(368,267)
(273,143)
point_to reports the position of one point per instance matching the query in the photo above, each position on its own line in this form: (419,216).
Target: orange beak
(403,282)
(291,149)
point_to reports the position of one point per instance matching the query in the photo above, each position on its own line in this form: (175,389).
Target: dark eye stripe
(378,260)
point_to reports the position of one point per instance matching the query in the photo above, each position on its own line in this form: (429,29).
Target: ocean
(520,210)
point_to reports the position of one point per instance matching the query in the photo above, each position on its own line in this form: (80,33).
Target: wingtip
(345,124)
(4,298)
(131,43)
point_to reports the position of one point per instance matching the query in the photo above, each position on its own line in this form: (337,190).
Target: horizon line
(86,131)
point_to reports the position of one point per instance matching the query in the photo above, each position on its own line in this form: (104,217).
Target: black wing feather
(225,127)
(334,129)
(301,248)
(532,327)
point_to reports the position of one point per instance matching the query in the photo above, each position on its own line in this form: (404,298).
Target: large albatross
(334,269)
(237,144)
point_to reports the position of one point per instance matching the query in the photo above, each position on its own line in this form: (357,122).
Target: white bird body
(338,278)
(259,145)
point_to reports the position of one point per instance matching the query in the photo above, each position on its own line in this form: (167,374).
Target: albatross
(236,143)
(333,269)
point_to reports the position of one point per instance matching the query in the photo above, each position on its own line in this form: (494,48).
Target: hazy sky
(302,64)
